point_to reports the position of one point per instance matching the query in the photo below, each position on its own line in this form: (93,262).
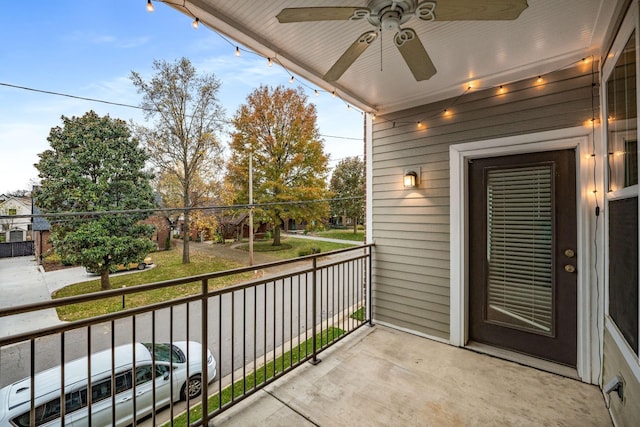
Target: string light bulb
(149,6)
(291,80)
(348,107)
(333,93)
(419,124)
(539,80)
(195,23)
(373,116)
(269,62)
(237,51)
(316,92)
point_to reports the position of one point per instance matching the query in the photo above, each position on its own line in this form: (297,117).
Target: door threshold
(523,359)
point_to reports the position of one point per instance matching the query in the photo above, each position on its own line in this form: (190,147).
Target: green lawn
(345,234)
(261,375)
(168,265)
(291,247)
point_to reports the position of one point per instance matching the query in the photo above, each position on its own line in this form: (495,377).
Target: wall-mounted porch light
(411,177)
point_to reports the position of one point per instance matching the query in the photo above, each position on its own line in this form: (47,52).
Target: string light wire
(501,90)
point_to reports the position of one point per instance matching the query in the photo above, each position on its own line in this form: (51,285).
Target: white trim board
(579,138)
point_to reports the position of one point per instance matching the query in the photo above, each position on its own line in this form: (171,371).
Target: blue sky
(88,49)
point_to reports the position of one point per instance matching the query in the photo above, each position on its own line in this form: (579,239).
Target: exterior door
(522,254)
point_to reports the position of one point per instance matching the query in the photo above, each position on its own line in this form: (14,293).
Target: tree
(183,141)
(94,165)
(279,128)
(347,182)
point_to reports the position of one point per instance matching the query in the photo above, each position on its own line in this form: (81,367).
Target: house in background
(162,230)
(15,229)
(501,160)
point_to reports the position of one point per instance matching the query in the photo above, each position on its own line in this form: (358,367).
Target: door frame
(579,138)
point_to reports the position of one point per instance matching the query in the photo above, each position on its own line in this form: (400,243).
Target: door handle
(126,399)
(569,268)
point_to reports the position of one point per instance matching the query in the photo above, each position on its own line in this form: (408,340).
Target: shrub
(309,251)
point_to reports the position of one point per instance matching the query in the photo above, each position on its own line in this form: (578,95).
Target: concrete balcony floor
(383,377)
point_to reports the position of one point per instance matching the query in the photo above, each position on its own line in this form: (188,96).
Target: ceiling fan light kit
(390,15)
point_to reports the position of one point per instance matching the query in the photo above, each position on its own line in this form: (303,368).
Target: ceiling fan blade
(470,10)
(414,54)
(350,55)
(307,14)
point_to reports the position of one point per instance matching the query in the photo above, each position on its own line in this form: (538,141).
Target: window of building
(622,120)
(622,195)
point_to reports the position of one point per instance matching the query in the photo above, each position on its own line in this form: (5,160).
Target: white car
(170,367)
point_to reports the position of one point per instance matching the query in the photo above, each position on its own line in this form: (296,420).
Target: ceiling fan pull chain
(380,49)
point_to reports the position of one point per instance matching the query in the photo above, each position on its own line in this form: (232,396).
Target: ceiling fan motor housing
(389,15)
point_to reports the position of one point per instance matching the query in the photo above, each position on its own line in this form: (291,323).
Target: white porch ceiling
(548,35)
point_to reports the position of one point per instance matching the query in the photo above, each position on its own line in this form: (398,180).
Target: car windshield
(163,352)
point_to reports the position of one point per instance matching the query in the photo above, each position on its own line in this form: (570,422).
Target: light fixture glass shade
(410,179)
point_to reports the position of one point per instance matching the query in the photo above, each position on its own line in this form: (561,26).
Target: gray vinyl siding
(411,227)
(627,411)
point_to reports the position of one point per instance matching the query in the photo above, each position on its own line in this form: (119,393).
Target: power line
(136,107)
(83,98)
(343,137)
(54,215)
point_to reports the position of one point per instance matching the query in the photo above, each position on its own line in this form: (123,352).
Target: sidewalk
(322,239)
(22,283)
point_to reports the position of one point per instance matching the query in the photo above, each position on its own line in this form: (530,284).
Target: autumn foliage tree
(204,192)
(278,127)
(182,143)
(347,187)
(94,165)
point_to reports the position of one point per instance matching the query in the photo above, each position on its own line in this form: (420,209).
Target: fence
(256,331)
(14,249)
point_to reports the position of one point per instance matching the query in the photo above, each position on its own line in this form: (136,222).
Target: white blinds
(519,239)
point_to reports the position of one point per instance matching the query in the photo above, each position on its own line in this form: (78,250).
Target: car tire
(194,387)
(141,266)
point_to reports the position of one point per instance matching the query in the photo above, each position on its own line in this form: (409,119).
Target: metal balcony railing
(255,331)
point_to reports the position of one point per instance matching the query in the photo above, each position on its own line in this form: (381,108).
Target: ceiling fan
(389,15)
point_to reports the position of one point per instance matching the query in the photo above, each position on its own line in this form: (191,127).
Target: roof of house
(40,223)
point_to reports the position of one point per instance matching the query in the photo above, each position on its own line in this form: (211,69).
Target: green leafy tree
(348,183)
(94,165)
(182,142)
(278,126)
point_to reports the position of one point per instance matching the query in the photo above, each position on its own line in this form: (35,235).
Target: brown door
(522,254)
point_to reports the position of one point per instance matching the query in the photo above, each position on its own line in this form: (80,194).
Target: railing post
(204,376)
(315,359)
(368,287)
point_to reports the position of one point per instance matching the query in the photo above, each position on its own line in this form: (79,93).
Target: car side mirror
(166,376)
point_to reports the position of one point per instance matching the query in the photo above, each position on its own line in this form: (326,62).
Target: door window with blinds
(519,248)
